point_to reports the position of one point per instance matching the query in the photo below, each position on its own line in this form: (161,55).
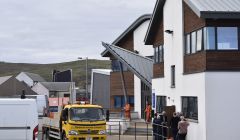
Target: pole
(86,77)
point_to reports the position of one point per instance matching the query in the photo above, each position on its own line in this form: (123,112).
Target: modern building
(10,87)
(29,78)
(100,87)
(199,70)
(131,40)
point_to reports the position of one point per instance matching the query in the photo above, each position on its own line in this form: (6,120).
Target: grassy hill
(45,70)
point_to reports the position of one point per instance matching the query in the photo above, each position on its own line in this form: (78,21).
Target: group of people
(178,125)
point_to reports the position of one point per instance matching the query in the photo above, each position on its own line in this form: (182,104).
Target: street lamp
(80,58)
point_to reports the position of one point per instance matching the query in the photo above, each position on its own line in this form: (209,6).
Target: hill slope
(45,70)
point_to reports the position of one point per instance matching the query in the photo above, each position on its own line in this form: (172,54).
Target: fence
(136,130)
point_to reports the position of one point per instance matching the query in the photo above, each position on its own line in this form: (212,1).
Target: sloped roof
(35,77)
(4,79)
(57,86)
(141,66)
(130,29)
(157,17)
(215,8)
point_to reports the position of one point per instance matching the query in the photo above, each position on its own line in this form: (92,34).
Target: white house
(199,70)
(29,78)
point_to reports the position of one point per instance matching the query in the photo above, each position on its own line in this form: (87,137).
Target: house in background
(30,78)
(199,70)
(138,93)
(10,86)
(100,87)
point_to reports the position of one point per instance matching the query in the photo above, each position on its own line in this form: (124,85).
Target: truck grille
(88,131)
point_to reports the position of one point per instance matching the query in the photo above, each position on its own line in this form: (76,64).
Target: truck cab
(81,122)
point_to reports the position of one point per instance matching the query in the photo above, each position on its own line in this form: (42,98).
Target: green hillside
(45,70)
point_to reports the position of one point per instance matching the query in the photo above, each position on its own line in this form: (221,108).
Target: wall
(137,95)
(222,105)
(101,90)
(139,35)
(23,77)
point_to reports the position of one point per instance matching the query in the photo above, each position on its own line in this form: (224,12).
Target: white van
(42,104)
(18,119)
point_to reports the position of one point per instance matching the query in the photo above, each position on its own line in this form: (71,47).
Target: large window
(161,103)
(119,101)
(212,38)
(190,107)
(227,38)
(209,38)
(158,54)
(116,66)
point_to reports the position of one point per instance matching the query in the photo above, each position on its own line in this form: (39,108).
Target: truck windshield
(86,114)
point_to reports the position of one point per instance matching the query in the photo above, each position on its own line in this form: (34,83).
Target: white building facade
(208,97)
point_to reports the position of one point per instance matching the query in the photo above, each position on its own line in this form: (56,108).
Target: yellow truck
(76,122)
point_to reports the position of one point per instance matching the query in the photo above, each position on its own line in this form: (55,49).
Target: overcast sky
(53,31)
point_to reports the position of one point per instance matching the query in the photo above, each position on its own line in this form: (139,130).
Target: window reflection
(227,38)
(209,38)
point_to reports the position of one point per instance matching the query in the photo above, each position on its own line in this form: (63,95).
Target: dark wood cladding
(212,61)
(191,20)
(116,87)
(195,62)
(158,39)
(158,70)
(126,42)
(223,60)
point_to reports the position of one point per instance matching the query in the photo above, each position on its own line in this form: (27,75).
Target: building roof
(141,66)
(157,17)
(57,86)
(215,8)
(130,29)
(4,79)
(35,77)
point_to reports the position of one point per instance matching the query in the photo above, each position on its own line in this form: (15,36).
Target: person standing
(182,128)
(155,125)
(127,109)
(164,125)
(174,125)
(148,112)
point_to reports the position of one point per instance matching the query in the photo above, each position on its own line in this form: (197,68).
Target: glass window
(209,38)
(160,53)
(173,76)
(227,38)
(188,45)
(190,107)
(115,65)
(199,40)
(86,114)
(161,103)
(117,102)
(193,42)
(131,100)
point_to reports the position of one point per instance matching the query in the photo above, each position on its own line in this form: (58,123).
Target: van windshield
(86,114)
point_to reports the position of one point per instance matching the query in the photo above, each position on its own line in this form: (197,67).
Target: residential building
(131,40)
(30,78)
(56,89)
(198,71)
(10,87)
(100,87)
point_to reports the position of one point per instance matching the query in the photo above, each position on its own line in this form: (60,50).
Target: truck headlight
(101,132)
(72,132)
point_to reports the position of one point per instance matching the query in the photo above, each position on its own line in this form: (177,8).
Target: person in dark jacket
(174,125)
(154,125)
(164,125)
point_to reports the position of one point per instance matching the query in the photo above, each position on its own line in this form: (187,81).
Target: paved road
(116,137)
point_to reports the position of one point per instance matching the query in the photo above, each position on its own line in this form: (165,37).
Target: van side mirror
(107,115)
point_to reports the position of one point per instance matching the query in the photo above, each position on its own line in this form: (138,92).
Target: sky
(54,31)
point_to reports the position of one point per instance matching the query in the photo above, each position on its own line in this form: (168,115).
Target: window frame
(188,111)
(173,76)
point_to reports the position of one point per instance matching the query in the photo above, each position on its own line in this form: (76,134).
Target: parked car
(18,119)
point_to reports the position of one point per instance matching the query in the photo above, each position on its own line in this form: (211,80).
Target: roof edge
(133,26)
(158,7)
